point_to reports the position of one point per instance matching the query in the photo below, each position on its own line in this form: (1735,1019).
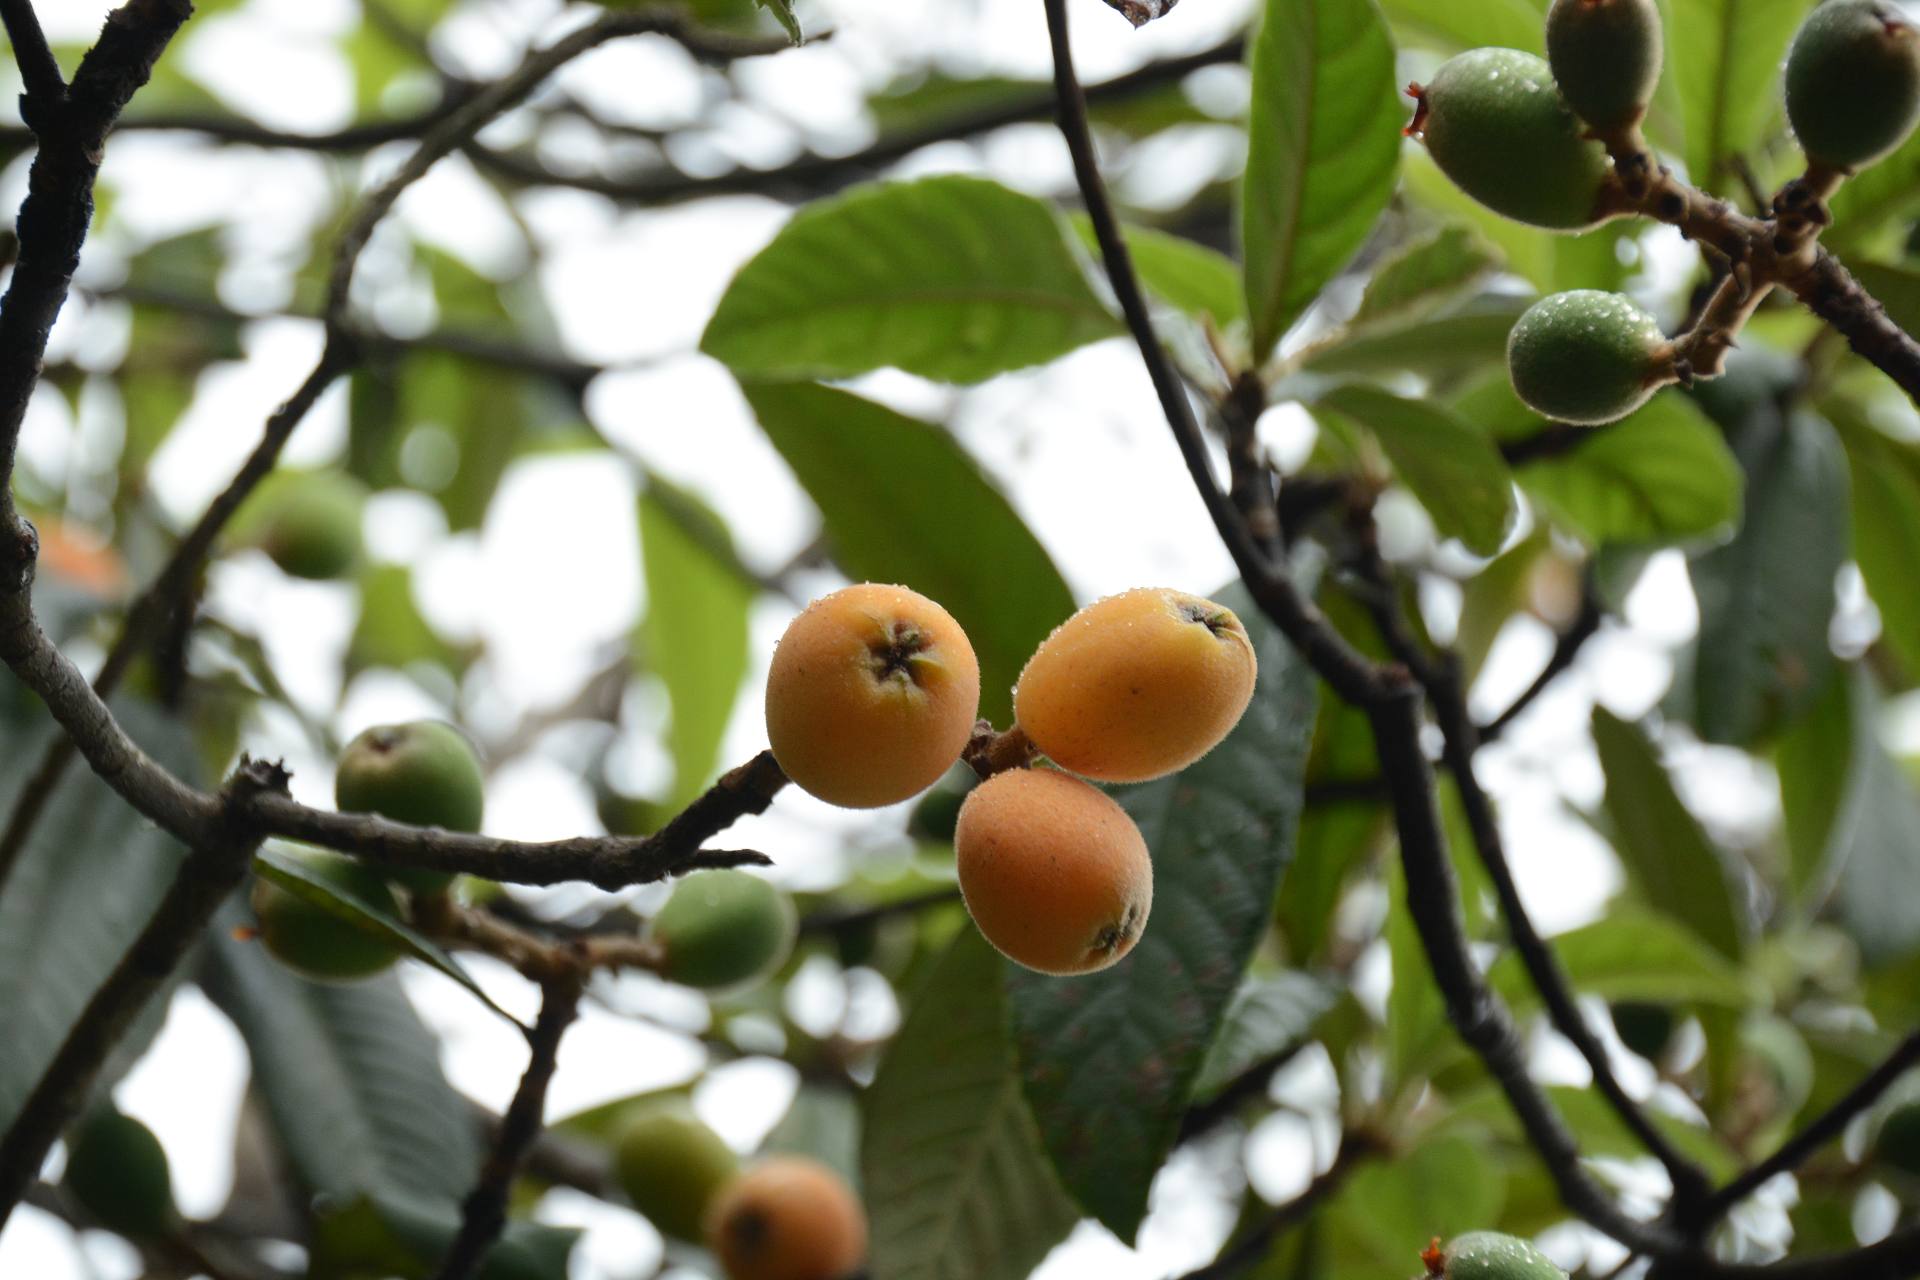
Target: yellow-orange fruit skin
(1054,873)
(872,694)
(788,1218)
(1137,686)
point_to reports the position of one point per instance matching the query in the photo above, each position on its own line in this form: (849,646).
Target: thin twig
(1818,1132)
(484,1215)
(1245,1253)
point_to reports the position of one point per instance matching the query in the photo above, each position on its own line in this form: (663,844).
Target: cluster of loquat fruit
(873,695)
(1526,138)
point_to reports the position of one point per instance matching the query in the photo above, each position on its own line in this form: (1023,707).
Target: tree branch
(484,1214)
(1822,1129)
(214,868)
(1244,1254)
(1387,694)
(39,69)
(71,129)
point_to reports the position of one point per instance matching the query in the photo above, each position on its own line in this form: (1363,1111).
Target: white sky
(552,581)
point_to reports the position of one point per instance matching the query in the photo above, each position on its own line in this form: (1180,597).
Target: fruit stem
(989,752)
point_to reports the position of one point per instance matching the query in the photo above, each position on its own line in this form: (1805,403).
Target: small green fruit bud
(1898,1143)
(1491,1255)
(1644,1028)
(1587,357)
(1853,82)
(313,941)
(308,522)
(723,928)
(1496,125)
(424,773)
(118,1172)
(1605,56)
(671,1166)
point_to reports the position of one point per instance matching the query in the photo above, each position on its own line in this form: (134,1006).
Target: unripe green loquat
(1495,123)
(1605,56)
(1587,357)
(424,773)
(308,522)
(671,1165)
(1490,1255)
(723,928)
(313,941)
(1137,686)
(1853,82)
(118,1172)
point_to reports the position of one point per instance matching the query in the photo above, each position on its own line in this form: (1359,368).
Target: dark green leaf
(1767,596)
(1323,152)
(1667,856)
(1471,338)
(1874,197)
(86,883)
(904,503)
(1871,843)
(1815,758)
(1110,1058)
(351,1079)
(823,1123)
(695,632)
(957,1183)
(1451,467)
(952,278)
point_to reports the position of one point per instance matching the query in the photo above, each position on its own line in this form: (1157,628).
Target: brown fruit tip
(245,933)
(1418,125)
(1434,1258)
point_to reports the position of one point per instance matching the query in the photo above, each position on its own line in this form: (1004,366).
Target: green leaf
(1452,468)
(1110,1058)
(1595,1124)
(1886,525)
(1267,1016)
(1388,1209)
(290,873)
(1767,596)
(1873,198)
(957,1183)
(953,278)
(394,1236)
(391,630)
(1667,856)
(782,11)
(1724,56)
(1814,759)
(1419,1038)
(351,1080)
(904,503)
(1323,152)
(86,884)
(1630,955)
(1424,275)
(1511,24)
(1453,343)
(1896,288)
(695,631)
(1661,475)
(1186,275)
